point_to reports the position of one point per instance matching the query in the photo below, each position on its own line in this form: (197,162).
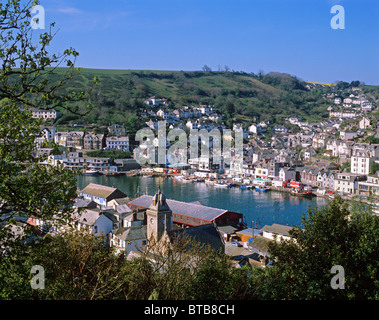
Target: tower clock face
(152,220)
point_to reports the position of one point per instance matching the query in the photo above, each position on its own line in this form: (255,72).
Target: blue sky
(291,36)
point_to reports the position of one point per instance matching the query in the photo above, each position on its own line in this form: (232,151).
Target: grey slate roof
(132,233)
(85,203)
(205,235)
(183,208)
(89,217)
(260,245)
(278,229)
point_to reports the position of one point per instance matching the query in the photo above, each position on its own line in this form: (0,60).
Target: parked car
(236,244)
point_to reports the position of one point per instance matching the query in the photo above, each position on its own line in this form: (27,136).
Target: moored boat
(221,184)
(91,173)
(301,193)
(262,188)
(114,174)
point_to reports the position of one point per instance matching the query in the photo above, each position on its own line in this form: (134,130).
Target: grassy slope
(252,98)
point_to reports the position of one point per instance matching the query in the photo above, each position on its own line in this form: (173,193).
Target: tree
(28,189)
(206,68)
(374,167)
(341,234)
(77,266)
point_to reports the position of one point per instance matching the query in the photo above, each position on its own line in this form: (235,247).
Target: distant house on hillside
(116,130)
(45,114)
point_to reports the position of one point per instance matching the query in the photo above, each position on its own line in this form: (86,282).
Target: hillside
(239,96)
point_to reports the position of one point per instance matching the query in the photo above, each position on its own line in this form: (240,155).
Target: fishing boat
(245,187)
(262,188)
(91,173)
(301,193)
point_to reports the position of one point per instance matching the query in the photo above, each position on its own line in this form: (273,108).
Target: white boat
(91,173)
(221,185)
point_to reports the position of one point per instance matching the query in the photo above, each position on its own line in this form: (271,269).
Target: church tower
(159,217)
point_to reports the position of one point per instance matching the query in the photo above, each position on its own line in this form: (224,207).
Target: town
(337,156)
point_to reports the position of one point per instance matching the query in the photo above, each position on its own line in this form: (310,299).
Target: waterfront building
(348,182)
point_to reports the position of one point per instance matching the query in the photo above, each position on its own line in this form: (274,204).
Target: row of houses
(91,141)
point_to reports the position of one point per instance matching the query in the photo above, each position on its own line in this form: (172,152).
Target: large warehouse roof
(184,208)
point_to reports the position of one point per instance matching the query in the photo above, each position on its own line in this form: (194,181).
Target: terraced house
(348,182)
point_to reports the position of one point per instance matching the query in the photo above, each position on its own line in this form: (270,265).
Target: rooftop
(183,208)
(103,191)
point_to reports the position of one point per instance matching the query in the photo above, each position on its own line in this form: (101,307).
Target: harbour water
(264,208)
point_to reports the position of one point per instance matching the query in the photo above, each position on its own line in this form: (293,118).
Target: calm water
(264,208)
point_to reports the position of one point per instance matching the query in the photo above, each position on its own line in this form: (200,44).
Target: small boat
(262,188)
(245,187)
(148,175)
(91,173)
(221,184)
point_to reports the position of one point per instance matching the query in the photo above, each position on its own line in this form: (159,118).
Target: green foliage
(374,167)
(28,189)
(339,234)
(120,95)
(78,266)
(81,266)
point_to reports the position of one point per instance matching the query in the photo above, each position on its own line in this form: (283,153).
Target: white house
(360,162)
(162,114)
(129,239)
(256,129)
(369,187)
(364,123)
(95,221)
(100,194)
(277,231)
(347,182)
(117,143)
(45,114)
